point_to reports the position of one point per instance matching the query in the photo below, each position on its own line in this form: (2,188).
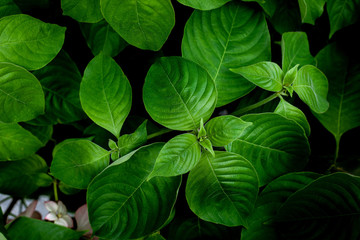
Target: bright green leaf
(178,156)
(16,142)
(201,130)
(206,144)
(142,23)
(228,37)
(222,189)
(129,142)
(21,95)
(123,205)
(82,10)
(273,144)
(312,87)
(203,4)
(76,162)
(311,9)
(29,42)
(223,130)
(105,93)
(178,93)
(290,76)
(267,75)
(8,7)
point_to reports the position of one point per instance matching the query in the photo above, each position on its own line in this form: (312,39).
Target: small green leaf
(202,131)
(177,99)
(290,76)
(267,75)
(76,162)
(142,23)
(178,156)
(8,7)
(105,93)
(29,42)
(311,9)
(129,142)
(82,10)
(112,144)
(206,144)
(312,87)
(223,130)
(21,95)
(203,4)
(222,189)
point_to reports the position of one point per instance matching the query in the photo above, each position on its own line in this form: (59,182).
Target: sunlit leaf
(311,9)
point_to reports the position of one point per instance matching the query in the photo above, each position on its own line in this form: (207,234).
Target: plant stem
(256,105)
(9,209)
(55,190)
(333,165)
(159,133)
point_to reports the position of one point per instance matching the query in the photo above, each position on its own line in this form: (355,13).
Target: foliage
(187,119)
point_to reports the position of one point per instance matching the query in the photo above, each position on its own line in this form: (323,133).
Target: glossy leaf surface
(228,37)
(21,95)
(142,23)
(178,93)
(273,144)
(311,9)
(204,4)
(82,10)
(29,42)
(129,142)
(105,93)
(123,205)
(222,189)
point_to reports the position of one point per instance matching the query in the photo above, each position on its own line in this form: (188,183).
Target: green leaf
(34,229)
(222,189)
(177,99)
(270,200)
(228,37)
(16,143)
(273,144)
(342,13)
(82,10)
(67,190)
(76,162)
(8,7)
(312,87)
(206,144)
(344,89)
(201,130)
(178,156)
(223,130)
(327,208)
(123,205)
(203,4)
(21,178)
(29,42)
(295,50)
(3,233)
(43,133)
(267,75)
(105,93)
(21,96)
(129,142)
(290,76)
(102,37)
(269,6)
(285,15)
(293,113)
(142,23)
(311,9)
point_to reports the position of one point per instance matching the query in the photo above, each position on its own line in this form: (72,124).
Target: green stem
(333,165)
(256,105)
(56,197)
(159,133)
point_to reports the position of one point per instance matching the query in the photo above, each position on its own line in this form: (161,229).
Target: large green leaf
(76,162)
(267,75)
(21,96)
(105,93)
(223,130)
(178,93)
(232,36)
(270,200)
(342,13)
(82,10)
(142,23)
(295,50)
(178,156)
(203,4)
(312,87)
(8,7)
(328,208)
(222,189)
(123,205)
(34,229)
(311,9)
(60,80)
(102,37)
(29,42)
(274,144)
(21,178)
(344,91)
(16,143)
(285,15)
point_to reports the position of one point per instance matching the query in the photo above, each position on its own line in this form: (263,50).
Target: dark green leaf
(43,133)
(66,189)
(8,7)
(285,15)
(129,142)
(3,233)
(311,9)
(82,10)
(203,4)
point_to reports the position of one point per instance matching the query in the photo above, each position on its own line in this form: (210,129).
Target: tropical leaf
(311,9)
(8,7)
(105,93)
(203,4)
(82,10)
(29,42)
(129,142)
(222,189)
(177,99)
(228,37)
(273,144)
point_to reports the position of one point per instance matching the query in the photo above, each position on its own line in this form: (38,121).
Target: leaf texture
(82,10)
